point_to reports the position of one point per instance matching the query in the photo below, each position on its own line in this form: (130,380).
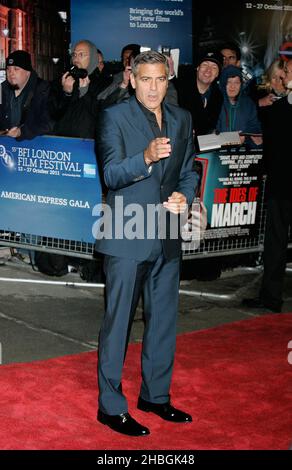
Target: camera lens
(77,73)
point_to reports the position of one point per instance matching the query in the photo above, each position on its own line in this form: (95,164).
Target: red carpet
(235,380)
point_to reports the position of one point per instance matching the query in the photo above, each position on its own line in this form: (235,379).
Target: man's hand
(14,132)
(176,203)
(157,149)
(67,83)
(257,139)
(198,218)
(83,82)
(267,100)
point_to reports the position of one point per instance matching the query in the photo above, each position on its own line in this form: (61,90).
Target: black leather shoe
(123,423)
(257,302)
(164,410)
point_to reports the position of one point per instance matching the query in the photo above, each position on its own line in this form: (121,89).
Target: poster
(262,31)
(153,23)
(231,189)
(49,187)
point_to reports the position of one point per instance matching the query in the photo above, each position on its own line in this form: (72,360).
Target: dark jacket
(204,118)
(277,149)
(76,116)
(34,117)
(241,116)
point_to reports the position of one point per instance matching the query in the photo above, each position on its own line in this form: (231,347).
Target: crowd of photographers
(216,92)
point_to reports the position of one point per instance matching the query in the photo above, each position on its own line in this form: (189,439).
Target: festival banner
(49,187)
(151,23)
(231,189)
(262,31)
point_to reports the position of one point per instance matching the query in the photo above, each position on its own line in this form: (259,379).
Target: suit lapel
(171,129)
(140,119)
(142,123)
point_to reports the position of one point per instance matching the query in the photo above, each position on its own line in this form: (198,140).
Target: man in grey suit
(146,151)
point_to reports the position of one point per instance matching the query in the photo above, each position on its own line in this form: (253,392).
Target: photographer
(23,104)
(74,105)
(73,101)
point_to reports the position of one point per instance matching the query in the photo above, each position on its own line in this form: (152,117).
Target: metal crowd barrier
(232,246)
(49,245)
(207,246)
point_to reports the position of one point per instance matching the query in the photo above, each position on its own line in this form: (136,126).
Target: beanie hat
(19,59)
(211,56)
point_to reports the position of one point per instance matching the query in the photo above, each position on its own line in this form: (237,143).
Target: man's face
(81,56)
(126,57)
(207,72)
(229,57)
(233,87)
(100,62)
(150,85)
(288,72)
(16,76)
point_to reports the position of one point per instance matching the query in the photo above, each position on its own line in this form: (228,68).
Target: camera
(166,50)
(77,73)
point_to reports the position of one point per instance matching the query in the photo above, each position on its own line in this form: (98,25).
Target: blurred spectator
(273,86)
(23,109)
(198,92)
(100,64)
(129,51)
(107,69)
(120,88)
(231,54)
(73,101)
(277,142)
(239,112)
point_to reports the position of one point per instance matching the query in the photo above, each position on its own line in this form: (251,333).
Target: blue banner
(112,25)
(49,187)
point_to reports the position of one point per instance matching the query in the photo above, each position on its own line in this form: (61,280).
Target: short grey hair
(149,57)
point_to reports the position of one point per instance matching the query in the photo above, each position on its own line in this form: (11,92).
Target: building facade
(40,27)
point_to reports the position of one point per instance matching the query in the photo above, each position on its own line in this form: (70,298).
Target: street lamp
(63,15)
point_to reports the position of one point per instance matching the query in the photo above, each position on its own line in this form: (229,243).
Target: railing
(37,178)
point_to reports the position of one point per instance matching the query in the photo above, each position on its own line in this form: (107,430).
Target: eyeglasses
(81,55)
